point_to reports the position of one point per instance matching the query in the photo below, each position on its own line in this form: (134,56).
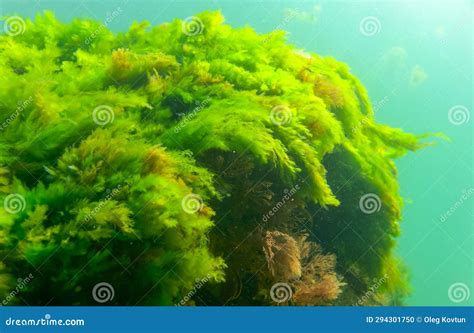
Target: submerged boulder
(153,160)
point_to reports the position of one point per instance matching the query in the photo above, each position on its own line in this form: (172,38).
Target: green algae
(234,118)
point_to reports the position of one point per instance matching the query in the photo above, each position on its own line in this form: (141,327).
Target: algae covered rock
(152,160)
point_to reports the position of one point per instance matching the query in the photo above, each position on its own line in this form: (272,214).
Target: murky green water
(415,60)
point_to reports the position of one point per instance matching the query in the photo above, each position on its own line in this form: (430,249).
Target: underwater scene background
(415,61)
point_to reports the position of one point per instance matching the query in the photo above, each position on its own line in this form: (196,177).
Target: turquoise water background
(415,59)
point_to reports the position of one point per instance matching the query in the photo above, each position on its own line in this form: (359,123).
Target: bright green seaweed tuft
(156,158)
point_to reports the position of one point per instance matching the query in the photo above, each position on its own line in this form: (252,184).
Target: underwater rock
(148,160)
